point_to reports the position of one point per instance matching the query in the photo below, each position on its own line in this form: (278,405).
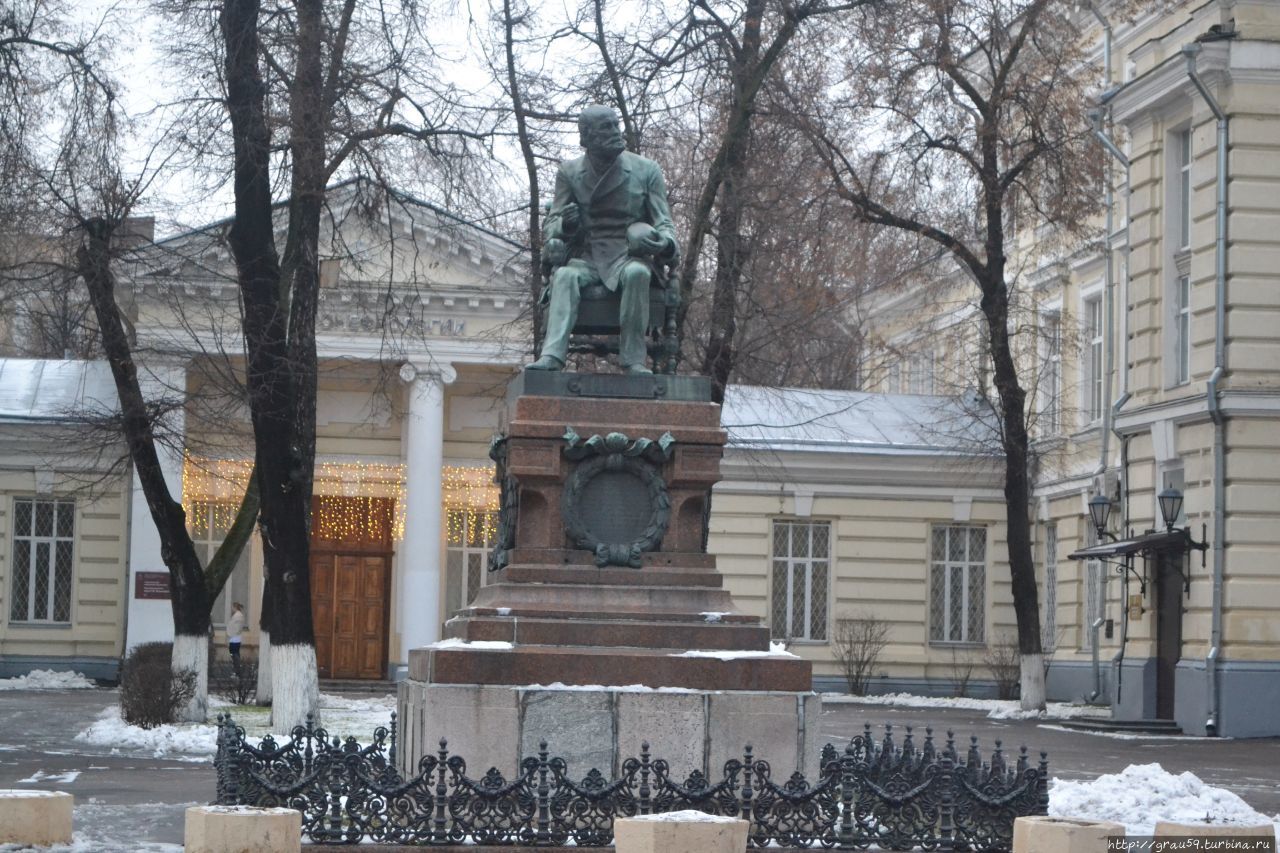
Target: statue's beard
(607,151)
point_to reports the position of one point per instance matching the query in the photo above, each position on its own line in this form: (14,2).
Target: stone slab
(35,818)
(482,724)
(520,629)
(577,726)
(1045,834)
(673,724)
(769,723)
(563,383)
(242,829)
(662,834)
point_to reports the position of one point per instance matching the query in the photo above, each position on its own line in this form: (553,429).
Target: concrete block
(1168,828)
(481,723)
(680,832)
(242,829)
(673,724)
(578,726)
(35,818)
(1045,834)
(767,721)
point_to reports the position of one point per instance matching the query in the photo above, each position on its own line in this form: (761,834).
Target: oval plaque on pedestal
(616,507)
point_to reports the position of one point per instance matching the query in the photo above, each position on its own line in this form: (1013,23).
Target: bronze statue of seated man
(610,223)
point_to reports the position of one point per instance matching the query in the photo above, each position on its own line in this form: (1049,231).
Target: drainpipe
(1191,51)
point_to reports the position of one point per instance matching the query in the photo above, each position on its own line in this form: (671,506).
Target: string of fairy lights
(355,501)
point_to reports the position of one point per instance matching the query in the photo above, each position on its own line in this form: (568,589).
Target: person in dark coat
(610,223)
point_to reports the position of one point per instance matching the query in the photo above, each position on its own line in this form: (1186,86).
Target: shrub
(150,693)
(857,644)
(1004,662)
(237,688)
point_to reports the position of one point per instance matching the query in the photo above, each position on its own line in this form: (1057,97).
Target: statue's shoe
(638,370)
(547,362)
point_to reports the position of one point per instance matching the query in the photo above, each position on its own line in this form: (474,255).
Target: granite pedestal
(588,640)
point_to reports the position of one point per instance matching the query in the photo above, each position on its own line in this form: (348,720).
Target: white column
(151,619)
(418,589)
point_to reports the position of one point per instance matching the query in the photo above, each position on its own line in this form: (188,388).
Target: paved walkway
(129,800)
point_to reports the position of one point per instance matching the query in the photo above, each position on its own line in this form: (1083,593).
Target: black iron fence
(894,794)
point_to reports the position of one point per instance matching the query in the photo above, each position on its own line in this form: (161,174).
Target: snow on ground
(997,709)
(1142,794)
(51,778)
(111,731)
(776,649)
(47,679)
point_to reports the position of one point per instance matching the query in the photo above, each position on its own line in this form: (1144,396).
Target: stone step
(638,633)
(611,576)
(593,598)
(633,614)
(528,665)
(1093,724)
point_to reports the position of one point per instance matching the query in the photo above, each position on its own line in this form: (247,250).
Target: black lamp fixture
(1100,513)
(1170,507)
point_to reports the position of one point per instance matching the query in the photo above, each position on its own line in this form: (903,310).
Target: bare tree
(949,119)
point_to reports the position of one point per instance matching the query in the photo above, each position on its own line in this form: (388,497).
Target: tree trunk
(191,654)
(531,173)
(263,693)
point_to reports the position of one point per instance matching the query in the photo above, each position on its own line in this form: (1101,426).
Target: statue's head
(598,131)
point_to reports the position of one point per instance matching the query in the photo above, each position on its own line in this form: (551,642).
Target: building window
(894,385)
(1182,331)
(1182,148)
(209,522)
(957,584)
(43,543)
(1049,624)
(1051,374)
(1093,362)
(921,373)
(801,572)
(470,537)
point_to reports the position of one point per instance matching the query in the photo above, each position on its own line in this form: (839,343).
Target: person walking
(235,627)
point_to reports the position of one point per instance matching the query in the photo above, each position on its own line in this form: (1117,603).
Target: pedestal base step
(711,632)
(529,665)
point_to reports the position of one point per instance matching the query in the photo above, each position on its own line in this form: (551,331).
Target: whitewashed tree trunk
(295,686)
(1032,682)
(263,694)
(191,654)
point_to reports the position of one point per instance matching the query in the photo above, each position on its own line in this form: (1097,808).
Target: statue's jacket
(632,190)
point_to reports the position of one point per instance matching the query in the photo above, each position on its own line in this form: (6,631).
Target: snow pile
(686,816)
(455,643)
(776,649)
(1142,794)
(112,731)
(47,679)
(997,709)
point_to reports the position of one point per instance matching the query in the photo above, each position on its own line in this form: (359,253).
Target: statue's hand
(643,240)
(570,217)
(555,252)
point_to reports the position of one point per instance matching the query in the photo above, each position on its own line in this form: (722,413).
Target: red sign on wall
(151,585)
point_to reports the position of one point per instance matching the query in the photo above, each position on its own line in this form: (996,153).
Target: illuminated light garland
(355,501)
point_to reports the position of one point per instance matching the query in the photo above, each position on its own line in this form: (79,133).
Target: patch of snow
(1121,735)
(686,816)
(504,611)
(776,650)
(455,643)
(997,709)
(1143,794)
(52,778)
(25,793)
(382,704)
(47,679)
(112,731)
(247,810)
(713,615)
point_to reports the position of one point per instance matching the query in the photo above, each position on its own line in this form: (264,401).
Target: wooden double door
(350,605)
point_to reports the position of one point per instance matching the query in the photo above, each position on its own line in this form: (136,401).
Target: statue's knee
(636,275)
(564,279)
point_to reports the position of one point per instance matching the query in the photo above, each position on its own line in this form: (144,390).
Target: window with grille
(470,538)
(801,579)
(43,548)
(1049,624)
(1093,359)
(957,584)
(209,522)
